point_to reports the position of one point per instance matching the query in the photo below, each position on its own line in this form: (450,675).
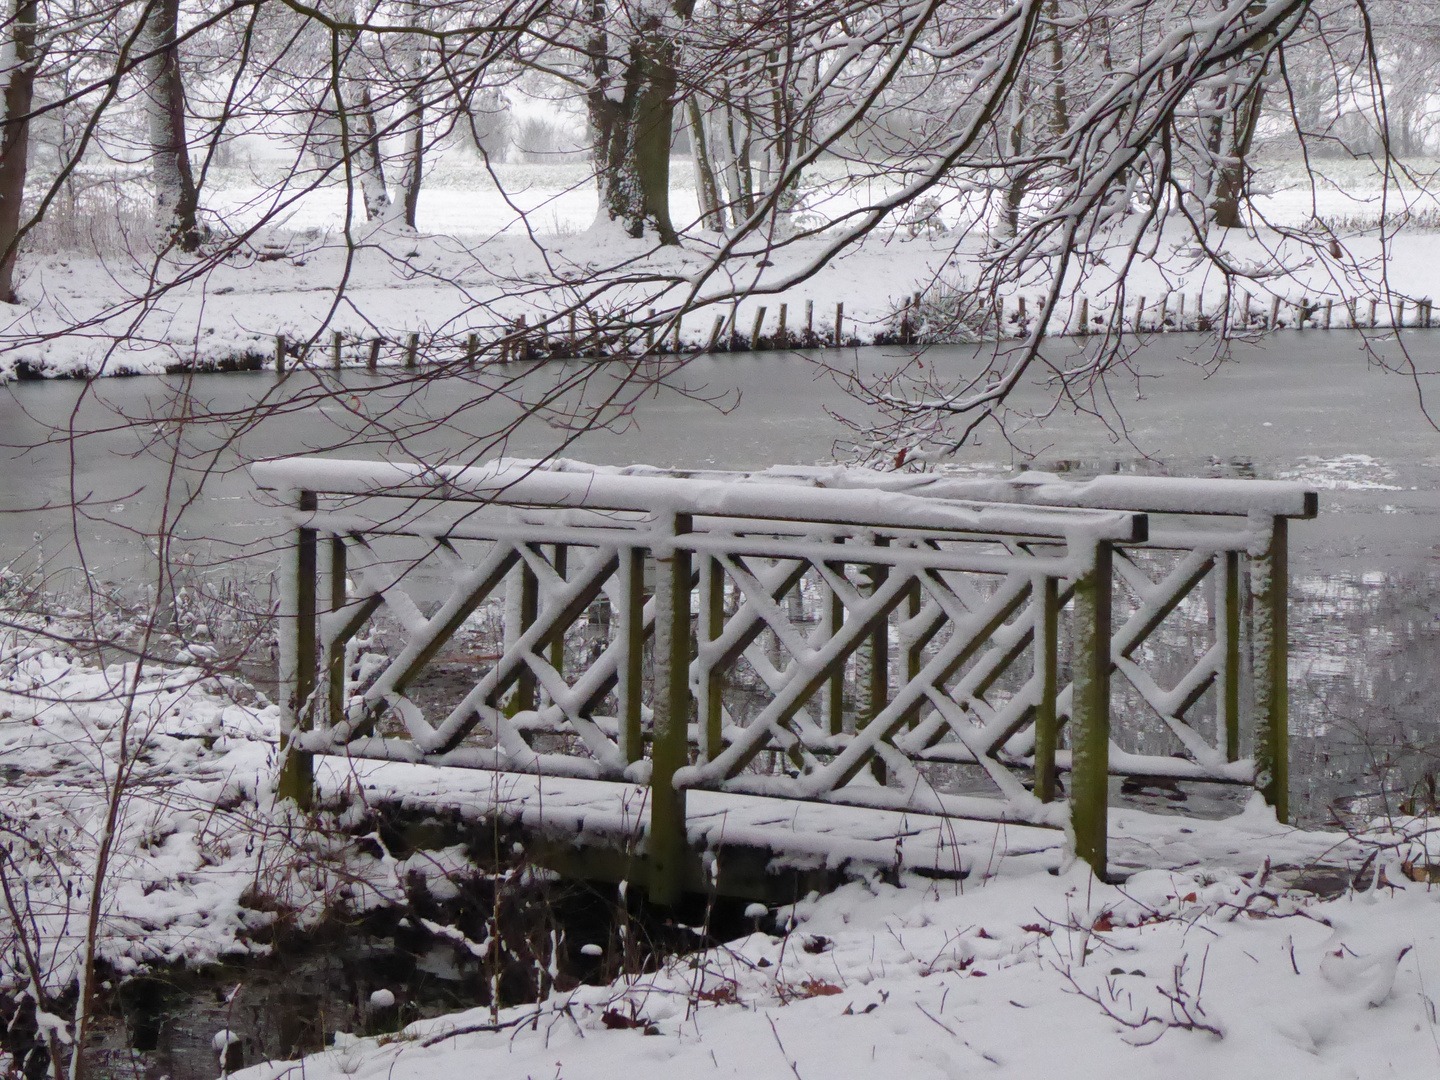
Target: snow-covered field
(474,266)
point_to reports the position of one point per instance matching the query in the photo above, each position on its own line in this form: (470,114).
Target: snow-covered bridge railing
(879,640)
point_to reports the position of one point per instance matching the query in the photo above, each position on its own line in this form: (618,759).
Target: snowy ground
(1214,966)
(473,267)
(1175,974)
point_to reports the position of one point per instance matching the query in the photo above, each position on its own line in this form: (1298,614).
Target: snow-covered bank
(475,271)
(203,863)
(1174,974)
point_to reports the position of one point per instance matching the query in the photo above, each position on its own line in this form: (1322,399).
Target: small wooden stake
(715,333)
(336,341)
(279,354)
(522,342)
(1329,304)
(1274,313)
(412,349)
(676,349)
(1245,312)
(1372,313)
(1350,310)
(1400,314)
(1139,314)
(650,331)
(1180,312)
(373,360)
(1084,315)
(755,328)
(472,349)
(809,320)
(839,319)
(780,341)
(574,340)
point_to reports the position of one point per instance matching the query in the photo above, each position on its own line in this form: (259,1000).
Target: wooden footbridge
(674,659)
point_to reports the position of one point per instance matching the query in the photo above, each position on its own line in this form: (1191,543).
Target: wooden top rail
(1140,494)
(732,495)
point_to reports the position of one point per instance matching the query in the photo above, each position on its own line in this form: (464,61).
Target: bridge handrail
(722,495)
(1141,494)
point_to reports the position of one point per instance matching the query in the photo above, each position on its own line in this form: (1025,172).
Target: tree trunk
(632,113)
(19,75)
(368,161)
(706,187)
(1234,172)
(415,159)
(177,199)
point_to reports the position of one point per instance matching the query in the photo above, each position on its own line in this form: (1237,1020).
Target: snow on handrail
(721,495)
(1140,494)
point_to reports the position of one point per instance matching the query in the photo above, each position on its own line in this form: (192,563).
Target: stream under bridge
(753,684)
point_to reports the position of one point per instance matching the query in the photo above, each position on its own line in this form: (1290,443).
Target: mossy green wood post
(335,651)
(671,715)
(522,698)
(1047,657)
(557,647)
(711,684)
(914,650)
(873,667)
(832,620)
(297,778)
(1227,626)
(630,624)
(1270,584)
(1090,710)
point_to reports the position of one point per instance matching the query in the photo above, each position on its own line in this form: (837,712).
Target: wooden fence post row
(516,342)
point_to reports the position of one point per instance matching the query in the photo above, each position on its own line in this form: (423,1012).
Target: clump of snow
(382,999)
(591,949)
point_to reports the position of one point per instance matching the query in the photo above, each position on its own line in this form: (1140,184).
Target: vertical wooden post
(1084,316)
(711,684)
(1090,710)
(1139,314)
(913,649)
(1350,310)
(809,320)
(780,335)
(650,331)
(472,349)
(666,843)
(1020,316)
(297,659)
(1180,311)
(1227,629)
(373,360)
(522,339)
(279,354)
(755,328)
(1372,313)
(1274,321)
(557,647)
(1047,659)
(335,651)
(839,319)
(574,339)
(522,698)
(412,349)
(630,624)
(832,618)
(715,333)
(1270,586)
(677,346)
(1245,311)
(1329,306)
(874,657)
(335,343)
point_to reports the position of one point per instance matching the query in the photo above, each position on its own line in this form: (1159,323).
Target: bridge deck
(768,849)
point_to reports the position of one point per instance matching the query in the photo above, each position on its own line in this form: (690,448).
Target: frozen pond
(1307,406)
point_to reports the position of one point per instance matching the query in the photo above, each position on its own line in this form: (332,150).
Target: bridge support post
(297,658)
(1090,710)
(630,626)
(1270,585)
(671,714)
(1047,655)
